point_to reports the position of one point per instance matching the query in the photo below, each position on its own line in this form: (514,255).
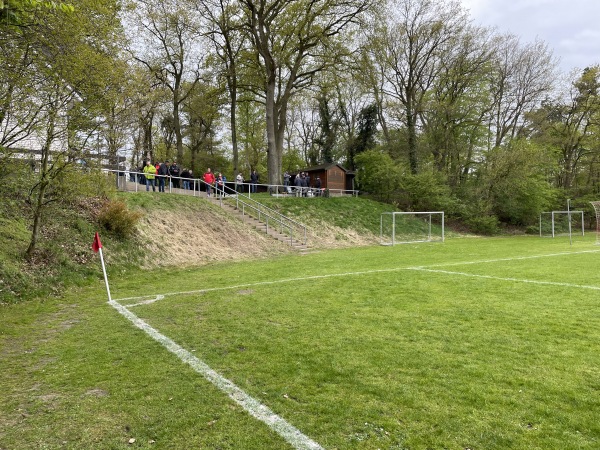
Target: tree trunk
(272,131)
(177,125)
(234,145)
(412,137)
(43,184)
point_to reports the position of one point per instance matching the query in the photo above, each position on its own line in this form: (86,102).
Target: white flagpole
(105,277)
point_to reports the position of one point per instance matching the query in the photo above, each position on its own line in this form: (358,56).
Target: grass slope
(175,230)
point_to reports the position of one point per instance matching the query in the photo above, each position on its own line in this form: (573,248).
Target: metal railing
(130,181)
(263,213)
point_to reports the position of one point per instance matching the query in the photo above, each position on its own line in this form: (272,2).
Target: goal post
(554,223)
(402,227)
(596,206)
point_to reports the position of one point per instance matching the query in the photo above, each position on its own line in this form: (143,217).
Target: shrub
(487,225)
(116,218)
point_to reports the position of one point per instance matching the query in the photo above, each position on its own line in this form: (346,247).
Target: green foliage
(75,184)
(485,224)
(118,219)
(517,187)
(377,174)
(365,138)
(21,12)
(426,191)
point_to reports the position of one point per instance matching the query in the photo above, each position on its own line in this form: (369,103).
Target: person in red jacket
(209,179)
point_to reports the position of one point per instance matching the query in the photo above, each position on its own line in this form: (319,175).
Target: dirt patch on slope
(195,237)
(208,234)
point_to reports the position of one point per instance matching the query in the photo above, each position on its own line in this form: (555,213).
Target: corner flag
(97,247)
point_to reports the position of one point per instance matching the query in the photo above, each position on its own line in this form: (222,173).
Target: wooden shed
(332,175)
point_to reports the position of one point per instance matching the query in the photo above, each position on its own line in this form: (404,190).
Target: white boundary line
(516,258)
(154,298)
(256,409)
(518,280)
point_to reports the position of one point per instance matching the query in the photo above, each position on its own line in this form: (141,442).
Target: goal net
(596,206)
(561,223)
(409,226)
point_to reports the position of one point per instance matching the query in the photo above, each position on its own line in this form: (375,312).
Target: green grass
(345,212)
(493,347)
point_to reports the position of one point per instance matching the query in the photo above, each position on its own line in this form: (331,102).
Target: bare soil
(198,237)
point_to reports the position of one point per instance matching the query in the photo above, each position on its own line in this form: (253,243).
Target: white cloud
(569,27)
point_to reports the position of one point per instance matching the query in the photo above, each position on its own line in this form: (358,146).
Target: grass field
(469,344)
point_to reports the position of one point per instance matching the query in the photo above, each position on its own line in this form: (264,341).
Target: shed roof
(325,166)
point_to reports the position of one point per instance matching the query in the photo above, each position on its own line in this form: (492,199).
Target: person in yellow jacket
(150,172)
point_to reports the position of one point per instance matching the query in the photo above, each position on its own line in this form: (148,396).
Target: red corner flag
(96,245)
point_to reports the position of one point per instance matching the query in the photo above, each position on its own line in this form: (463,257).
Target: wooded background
(430,110)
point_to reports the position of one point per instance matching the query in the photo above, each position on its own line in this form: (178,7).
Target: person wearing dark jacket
(253,180)
(162,172)
(174,171)
(185,174)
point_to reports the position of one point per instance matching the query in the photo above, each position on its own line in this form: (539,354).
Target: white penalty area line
(256,409)
(516,258)
(152,299)
(157,298)
(517,280)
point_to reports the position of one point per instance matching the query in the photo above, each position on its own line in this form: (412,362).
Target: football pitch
(472,343)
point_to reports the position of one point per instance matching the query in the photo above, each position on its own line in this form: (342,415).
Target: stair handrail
(263,209)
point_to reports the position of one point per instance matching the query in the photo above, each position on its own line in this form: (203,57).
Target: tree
(570,124)
(515,183)
(410,43)
(293,41)
(365,139)
(456,109)
(228,41)
(520,78)
(203,109)
(328,129)
(69,63)
(169,37)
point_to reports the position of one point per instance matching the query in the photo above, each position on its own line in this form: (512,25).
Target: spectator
(140,170)
(209,179)
(239,183)
(149,172)
(191,183)
(163,171)
(175,172)
(286,182)
(185,174)
(221,184)
(318,186)
(254,180)
(298,184)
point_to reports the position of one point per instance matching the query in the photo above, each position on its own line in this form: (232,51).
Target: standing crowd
(156,175)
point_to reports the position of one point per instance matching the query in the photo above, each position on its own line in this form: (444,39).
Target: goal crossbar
(428,214)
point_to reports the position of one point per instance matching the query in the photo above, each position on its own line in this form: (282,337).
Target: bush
(116,218)
(487,225)
(426,191)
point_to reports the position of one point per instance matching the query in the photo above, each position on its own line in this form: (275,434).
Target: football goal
(560,223)
(410,226)
(596,206)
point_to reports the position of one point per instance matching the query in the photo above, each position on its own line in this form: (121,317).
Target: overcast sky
(570,27)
